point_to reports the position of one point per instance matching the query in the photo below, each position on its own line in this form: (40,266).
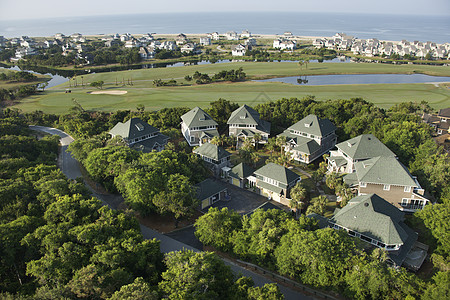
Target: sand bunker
(109,92)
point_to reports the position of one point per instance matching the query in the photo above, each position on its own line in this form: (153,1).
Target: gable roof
(197,117)
(212,151)
(208,188)
(314,125)
(248,116)
(364,146)
(132,129)
(374,217)
(384,170)
(278,173)
(148,145)
(301,143)
(445,112)
(241,171)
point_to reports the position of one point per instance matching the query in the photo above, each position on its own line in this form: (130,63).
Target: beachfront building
(390,179)
(205,41)
(232,36)
(245,123)
(239,50)
(375,221)
(139,135)
(198,127)
(309,138)
(284,44)
(216,158)
(275,182)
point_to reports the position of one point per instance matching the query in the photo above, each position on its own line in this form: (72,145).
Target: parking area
(243,201)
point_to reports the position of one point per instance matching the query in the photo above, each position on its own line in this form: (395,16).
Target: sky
(40,9)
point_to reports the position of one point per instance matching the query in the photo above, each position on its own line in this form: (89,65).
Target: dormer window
(243,116)
(307,125)
(202,118)
(349,144)
(139,127)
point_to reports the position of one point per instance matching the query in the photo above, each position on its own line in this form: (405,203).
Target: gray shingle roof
(148,144)
(374,217)
(212,151)
(208,188)
(445,112)
(241,171)
(278,173)
(363,147)
(248,116)
(132,129)
(303,144)
(197,117)
(314,125)
(383,170)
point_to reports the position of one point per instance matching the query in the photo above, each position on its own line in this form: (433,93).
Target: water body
(384,27)
(358,79)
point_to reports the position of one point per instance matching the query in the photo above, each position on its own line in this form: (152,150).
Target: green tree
(98,84)
(216,228)
(192,275)
(138,290)
(439,289)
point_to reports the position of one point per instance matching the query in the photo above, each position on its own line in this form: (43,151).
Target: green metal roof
(278,173)
(301,143)
(241,171)
(209,133)
(148,144)
(132,129)
(384,170)
(363,147)
(374,217)
(270,187)
(245,115)
(212,151)
(197,117)
(208,188)
(314,125)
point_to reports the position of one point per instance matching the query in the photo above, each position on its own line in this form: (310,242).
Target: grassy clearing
(4,84)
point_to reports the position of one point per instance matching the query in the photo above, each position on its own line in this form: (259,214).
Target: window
(405,201)
(386,187)
(192,139)
(407,189)
(363,184)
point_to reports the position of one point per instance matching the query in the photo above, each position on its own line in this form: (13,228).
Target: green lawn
(54,100)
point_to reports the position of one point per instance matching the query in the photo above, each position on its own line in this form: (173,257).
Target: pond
(358,79)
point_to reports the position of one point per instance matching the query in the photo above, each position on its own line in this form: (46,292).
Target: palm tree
(215,140)
(280,142)
(271,145)
(257,138)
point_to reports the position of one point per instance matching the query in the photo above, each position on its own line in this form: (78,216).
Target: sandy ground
(108,92)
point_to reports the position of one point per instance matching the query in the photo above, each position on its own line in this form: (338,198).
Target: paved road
(70,167)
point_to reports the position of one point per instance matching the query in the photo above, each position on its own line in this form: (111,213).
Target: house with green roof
(215,157)
(245,123)
(139,135)
(198,127)
(239,175)
(310,138)
(356,149)
(390,179)
(377,222)
(210,191)
(275,182)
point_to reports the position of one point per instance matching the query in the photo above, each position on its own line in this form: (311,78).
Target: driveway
(242,201)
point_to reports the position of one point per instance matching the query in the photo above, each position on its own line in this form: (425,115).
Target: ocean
(383,27)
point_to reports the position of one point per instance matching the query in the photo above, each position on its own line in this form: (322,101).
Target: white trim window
(405,201)
(407,189)
(363,184)
(386,187)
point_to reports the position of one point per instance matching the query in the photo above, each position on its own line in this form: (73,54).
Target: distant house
(231,36)
(189,48)
(214,36)
(390,179)
(139,135)
(111,42)
(181,39)
(310,138)
(59,36)
(354,150)
(133,43)
(167,45)
(146,52)
(215,157)
(198,127)
(245,122)
(439,122)
(205,41)
(246,34)
(240,50)
(210,191)
(275,182)
(377,222)
(239,175)
(284,44)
